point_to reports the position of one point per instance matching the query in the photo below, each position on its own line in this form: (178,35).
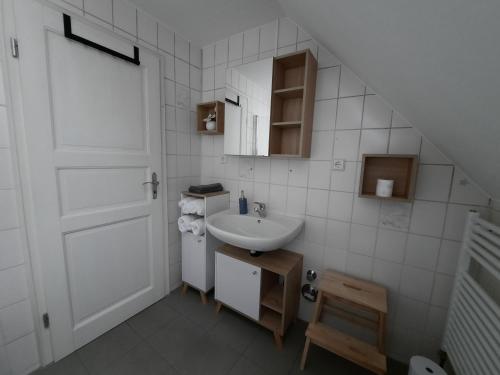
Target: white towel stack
(191,223)
(184,222)
(190,205)
(198,227)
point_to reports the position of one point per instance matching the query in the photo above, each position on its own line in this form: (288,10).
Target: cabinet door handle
(254,273)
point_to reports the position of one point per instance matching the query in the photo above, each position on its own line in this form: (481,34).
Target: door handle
(154,184)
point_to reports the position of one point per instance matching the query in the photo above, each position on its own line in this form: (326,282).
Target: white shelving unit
(198,252)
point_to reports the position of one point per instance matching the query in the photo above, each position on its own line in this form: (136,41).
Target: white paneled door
(93,135)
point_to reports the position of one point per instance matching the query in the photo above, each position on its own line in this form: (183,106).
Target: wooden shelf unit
(400,168)
(203,110)
(281,275)
(292,103)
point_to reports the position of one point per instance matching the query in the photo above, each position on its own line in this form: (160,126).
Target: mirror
(248,109)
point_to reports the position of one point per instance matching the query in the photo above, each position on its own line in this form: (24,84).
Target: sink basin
(252,232)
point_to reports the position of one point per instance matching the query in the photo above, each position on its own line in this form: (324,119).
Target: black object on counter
(203,189)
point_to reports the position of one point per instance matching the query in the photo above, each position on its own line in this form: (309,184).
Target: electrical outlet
(338,164)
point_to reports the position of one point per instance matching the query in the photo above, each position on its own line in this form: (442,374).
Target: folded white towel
(198,227)
(185,201)
(184,222)
(196,206)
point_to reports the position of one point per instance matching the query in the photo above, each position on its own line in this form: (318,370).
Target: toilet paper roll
(424,366)
(384,188)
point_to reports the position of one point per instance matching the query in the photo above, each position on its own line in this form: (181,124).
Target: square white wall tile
(337,234)
(335,259)
(181,48)
(417,283)
(147,28)
(208,56)
(221,51)
(124,15)
(404,141)
(433,182)
(6,172)
(443,287)
(169,67)
(398,121)
(377,114)
(448,257)
(251,42)
(287,32)
(344,180)
(428,218)
(411,314)
(166,39)
(262,169)
(340,206)
(327,83)
(194,55)
(4,361)
(359,265)
(395,215)
(456,217)
(350,84)
(277,198)
(366,211)
(317,202)
(321,145)
(309,44)
(373,141)
(12,251)
(391,245)
(181,72)
(298,173)
(315,230)
(422,251)
(346,145)
(319,174)
(4,132)
(363,239)
(350,112)
(261,192)
(267,37)
(102,9)
(208,79)
(325,113)
(466,191)
(296,200)
(279,171)
(236,47)
(387,274)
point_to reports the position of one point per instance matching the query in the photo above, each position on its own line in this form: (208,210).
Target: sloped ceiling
(437,62)
(205,21)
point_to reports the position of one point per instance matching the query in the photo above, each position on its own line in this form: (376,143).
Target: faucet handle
(260,205)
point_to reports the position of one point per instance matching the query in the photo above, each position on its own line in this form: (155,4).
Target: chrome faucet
(260,208)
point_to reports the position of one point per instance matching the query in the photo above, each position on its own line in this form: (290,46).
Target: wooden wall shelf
(292,104)
(400,168)
(203,109)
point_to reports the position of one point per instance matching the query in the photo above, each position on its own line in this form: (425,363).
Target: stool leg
(204,299)
(381,333)
(184,288)
(304,353)
(218,306)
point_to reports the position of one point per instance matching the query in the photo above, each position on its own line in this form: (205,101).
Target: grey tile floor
(178,335)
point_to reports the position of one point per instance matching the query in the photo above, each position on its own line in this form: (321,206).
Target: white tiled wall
(18,351)
(411,248)
(181,144)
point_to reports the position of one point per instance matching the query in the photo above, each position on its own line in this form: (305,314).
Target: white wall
(181,145)
(411,248)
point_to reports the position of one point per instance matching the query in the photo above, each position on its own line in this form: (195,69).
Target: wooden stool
(344,296)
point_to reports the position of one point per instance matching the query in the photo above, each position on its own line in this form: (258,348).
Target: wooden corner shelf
(400,168)
(203,110)
(273,299)
(292,104)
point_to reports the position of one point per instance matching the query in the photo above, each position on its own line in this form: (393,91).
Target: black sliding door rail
(69,34)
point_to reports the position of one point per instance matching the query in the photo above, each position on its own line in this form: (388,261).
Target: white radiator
(472,336)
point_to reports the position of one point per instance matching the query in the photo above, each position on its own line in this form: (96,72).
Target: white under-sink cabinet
(237,284)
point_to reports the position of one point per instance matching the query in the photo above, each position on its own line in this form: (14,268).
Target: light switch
(338,164)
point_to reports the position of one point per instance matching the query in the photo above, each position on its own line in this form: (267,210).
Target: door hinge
(14,48)
(46,321)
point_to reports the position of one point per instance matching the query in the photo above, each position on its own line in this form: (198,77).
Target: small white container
(210,125)
(384,188)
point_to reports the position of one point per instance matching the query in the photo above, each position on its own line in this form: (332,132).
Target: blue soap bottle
(243,204)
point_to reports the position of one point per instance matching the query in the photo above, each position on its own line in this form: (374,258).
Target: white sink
(252,232)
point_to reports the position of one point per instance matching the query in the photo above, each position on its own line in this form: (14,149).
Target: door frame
(15,108)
